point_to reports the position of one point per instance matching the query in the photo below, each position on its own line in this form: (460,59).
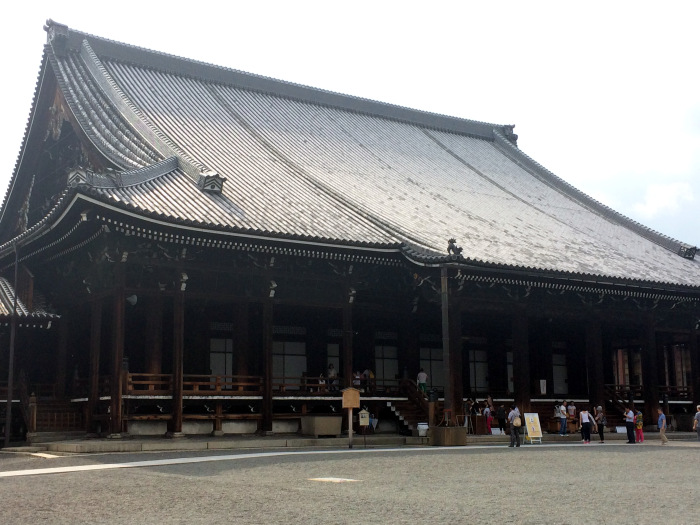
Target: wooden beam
(694,346)
(456,375)
(154,335)
(94,375)
(347,345)
(118,326)
(446,342)
(650,375)
(521,360)
(241,337)
(62,357)
(594,354)
(178,360)
(267,363)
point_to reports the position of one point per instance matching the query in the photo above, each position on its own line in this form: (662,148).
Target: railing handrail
(162,384)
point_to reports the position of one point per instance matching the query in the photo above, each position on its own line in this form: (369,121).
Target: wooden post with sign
(363,421)
(351,399)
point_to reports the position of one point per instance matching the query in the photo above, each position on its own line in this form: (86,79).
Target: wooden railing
(148,384)
(194,384)
(622,393)
(676,393)
(307,385)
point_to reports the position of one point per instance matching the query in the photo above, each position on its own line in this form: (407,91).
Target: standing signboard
(533,430)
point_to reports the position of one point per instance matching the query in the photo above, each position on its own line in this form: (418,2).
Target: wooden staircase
(408,413)
(412,411)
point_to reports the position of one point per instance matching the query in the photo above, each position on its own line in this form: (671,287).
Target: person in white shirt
(629,423)
(562,418)
(586,422)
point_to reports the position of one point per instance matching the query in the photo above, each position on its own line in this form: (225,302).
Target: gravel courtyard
(535,484)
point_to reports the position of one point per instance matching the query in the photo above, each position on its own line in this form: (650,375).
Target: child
(489,420)
(639,426)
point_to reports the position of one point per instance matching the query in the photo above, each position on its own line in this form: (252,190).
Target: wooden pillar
(456,369)
(267,364)
(61,358)
(154,336)
(650,375)
(446,342)
(118,326)
(694,346)
(594,353)
(347,346)
(178,360)
(94,374)
(241,340)
(521,361)
(409,343)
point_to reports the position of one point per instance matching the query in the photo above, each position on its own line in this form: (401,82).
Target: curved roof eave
(551,179)
(27,131)
(460,262)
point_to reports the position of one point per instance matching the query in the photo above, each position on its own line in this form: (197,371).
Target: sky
(606,95)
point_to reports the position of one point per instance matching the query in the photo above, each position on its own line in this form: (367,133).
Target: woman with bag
(600,421)
(515,422)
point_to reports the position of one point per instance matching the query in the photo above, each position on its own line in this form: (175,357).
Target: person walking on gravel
(696,421)
(586,423)
(600,421)
(514,421)
(662,427)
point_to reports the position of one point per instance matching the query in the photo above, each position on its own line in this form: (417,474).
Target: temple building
(202,244)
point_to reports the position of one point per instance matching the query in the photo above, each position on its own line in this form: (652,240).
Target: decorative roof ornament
(79,176)
(508,132)
(211,182)
(687,252)
(452,247)
(57,36)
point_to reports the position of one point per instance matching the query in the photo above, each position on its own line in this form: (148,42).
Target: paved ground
(563,484)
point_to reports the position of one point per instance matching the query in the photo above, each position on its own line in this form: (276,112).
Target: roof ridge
(210,72)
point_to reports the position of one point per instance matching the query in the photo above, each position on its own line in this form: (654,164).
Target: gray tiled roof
(342,168)
(7,297)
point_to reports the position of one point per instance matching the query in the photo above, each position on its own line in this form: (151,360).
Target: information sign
(364,418)
(533,430)
(351,398)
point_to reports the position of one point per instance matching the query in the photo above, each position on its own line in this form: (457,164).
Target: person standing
(422,381)
(662,427)
(639,426)
(629,424)
(332,376)
(489,417)
(514,428)
(696,421)
(501,416)
(586,422)
(600,421)
(562,418)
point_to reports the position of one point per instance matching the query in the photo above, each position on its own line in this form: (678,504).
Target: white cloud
(663,198)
